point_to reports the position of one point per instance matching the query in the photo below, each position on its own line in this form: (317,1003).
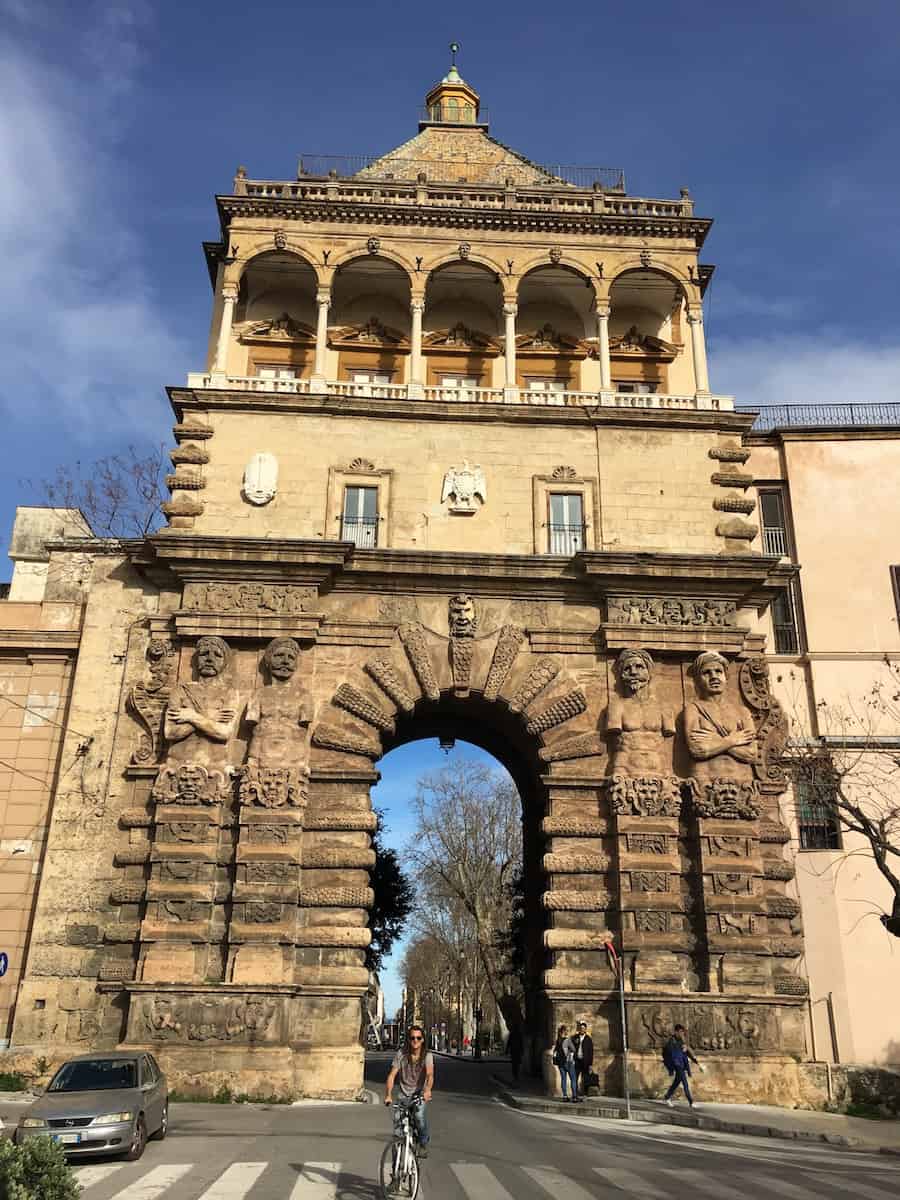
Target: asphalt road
(481,1150)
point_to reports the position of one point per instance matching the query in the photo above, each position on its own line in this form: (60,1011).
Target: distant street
(481,1150)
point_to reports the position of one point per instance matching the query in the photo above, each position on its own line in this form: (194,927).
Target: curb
(705,1123)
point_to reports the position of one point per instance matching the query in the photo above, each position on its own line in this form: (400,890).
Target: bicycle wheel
(410,1181)
(387,1168)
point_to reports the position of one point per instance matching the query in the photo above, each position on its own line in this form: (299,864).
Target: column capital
(510,309)
(323,296)
(695,316)
(229,291)
(601,308)
(417,304)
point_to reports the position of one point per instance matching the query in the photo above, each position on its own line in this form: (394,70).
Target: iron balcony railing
(373,166)
(786,640)
(566,539)
(774,540)
(362,531)
(829,416)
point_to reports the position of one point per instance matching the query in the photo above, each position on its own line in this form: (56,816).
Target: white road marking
(317,1181)
(708,1184)
(858,1189)
(634,1185)
(479,1182)
(557,1184)
(155,1182)
(88,1176)
(235,1182)
(791,1191)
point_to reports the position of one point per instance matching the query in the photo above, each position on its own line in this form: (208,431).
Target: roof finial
(454,50)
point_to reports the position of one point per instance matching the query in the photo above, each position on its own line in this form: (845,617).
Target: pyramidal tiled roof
(454,155)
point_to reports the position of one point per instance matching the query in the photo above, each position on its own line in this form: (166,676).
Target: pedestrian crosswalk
(622,1177)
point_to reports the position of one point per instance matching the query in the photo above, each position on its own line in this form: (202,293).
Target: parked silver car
(101,1104)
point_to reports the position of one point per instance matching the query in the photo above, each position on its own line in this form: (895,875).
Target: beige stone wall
(843,501)
(653,485)
(37,648)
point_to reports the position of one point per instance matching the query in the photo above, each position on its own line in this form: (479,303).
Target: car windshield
(94,1075)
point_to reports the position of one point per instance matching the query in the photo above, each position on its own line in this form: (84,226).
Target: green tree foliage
(37,1170)
(393,900)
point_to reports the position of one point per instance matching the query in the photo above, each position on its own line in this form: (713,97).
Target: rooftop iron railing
(348,166)
(828,416)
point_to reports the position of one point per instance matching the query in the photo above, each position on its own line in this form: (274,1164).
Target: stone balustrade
(463,395)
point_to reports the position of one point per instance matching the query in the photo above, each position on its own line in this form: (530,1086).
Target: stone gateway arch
(453,467)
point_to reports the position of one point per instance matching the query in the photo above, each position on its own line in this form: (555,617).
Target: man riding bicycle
(413,1071)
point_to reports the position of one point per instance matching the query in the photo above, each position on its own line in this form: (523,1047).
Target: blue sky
(122,119)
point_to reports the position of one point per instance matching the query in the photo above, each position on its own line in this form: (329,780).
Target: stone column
(698,348)
(603,345)
(510,391)
(415,390)
(323,300)
(229,297)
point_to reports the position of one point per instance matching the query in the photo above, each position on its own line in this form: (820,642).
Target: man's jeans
(680,1080)
(419,1119)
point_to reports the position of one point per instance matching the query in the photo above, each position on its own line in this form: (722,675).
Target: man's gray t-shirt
(410,1076)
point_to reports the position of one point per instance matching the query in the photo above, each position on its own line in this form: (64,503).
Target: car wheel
(164,1127)
(138,1141)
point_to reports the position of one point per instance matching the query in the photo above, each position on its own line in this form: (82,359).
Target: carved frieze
(650,920)
(786,947)
(736,924)
(389,679)
(347,820)
(572,901)
(782,906)
(127,893)
(647,843)
(337,897)
(582,745)
(263,912)
(741,1029)
(729,846)
(269,872)
(191,783)
(732,883)
(561,710)
(569,826)
(330,737)
(274,598)
(670,610)
(790,985)
(779,870)
(575,864)
(509,642)
(770,719)
(415,642)
(273,787)
(462,622)
(360,705)
(774,833)
(263,834)
(147,700)
(183,831)
(645,796)
(538,678)
(649,881)
(738,504)
(334,857)
(727,799)
(202,1019)
(464,485)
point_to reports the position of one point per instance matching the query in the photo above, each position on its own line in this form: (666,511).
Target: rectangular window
(774,526)
(895,580)
(566,523)
(631,387)
(817,818)
(273,371)
(359,523)
(784,622)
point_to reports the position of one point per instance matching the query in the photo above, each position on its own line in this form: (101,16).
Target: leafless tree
(850,773)
(120,494)
(465,853)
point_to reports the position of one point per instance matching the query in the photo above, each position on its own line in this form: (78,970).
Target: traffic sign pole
(617,966)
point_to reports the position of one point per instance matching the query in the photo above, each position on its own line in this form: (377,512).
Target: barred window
(815,787)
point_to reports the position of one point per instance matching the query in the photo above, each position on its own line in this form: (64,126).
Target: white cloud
(805,369)
(86,341)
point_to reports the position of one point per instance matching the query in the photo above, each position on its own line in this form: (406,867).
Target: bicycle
(398,1170)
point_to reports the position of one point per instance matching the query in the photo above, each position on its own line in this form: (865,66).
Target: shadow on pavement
(345,1187)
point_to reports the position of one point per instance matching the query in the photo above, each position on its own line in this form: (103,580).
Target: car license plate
(67,1139)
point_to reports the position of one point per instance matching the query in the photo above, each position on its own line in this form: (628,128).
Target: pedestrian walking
(564,1060)
(584,1056)
(677,1057)
(515,1048)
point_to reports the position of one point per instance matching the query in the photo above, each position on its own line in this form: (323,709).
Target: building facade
(828,491)
(453,466)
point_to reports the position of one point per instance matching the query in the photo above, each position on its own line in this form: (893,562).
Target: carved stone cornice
(461,216)
(186,401)
(199,558)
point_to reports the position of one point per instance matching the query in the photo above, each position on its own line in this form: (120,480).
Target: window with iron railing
(818,824)
(359,522)
(774,526)
(784,622)
(566,525)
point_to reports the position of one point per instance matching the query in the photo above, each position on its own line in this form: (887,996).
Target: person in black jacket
(584,1056)
(677,1057)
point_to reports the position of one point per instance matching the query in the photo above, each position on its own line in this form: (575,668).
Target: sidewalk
(756,1119)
